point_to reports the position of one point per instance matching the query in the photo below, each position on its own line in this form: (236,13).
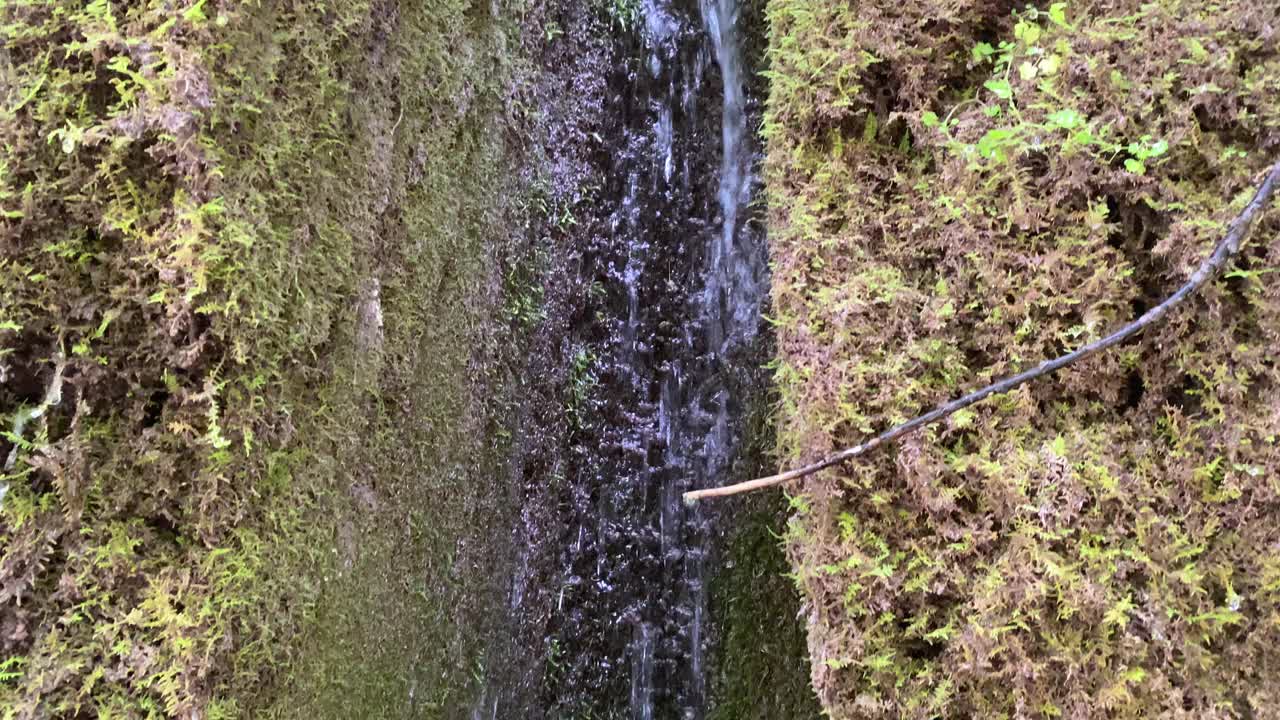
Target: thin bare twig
(1226,249)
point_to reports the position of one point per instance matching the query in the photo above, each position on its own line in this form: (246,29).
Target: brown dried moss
(946,210)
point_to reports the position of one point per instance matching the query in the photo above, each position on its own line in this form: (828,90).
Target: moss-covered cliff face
(957,191)
(252,320)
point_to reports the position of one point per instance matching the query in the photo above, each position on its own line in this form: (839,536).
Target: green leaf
(1027,32)
(869,130)
(1218,617)
(1118,614)
(1000,88)
(11,668)
(1135,166)
(883,661)
(1066,119)
(195,14)
(120,64)
(982,51)
(991,145)
(1027,70)
(941,634)
(880,571)
(929,119)
(30,94)
(1084,137)
(1058,13)
(1059,446)
(1134,675)
(1196,48)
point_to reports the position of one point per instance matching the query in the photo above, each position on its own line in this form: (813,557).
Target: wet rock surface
(643,367)
(673,279)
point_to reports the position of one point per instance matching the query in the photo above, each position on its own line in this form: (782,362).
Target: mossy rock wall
(250,262)
(958,191)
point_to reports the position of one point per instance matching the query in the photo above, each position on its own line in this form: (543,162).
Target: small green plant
(1035,118)
(1141,151)
(582,382)
(623,12)
(11,668)
(555,660)
(524,298)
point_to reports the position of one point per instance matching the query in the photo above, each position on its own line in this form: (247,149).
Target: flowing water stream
(690,274)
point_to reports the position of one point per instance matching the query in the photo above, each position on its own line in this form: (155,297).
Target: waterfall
(734,291)
(685,279)
(694,409)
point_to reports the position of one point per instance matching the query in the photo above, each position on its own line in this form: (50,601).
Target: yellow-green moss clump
(240,250)
(959,190)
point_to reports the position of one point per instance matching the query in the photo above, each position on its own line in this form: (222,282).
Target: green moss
(255,235)
(760,668)
(957,193)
